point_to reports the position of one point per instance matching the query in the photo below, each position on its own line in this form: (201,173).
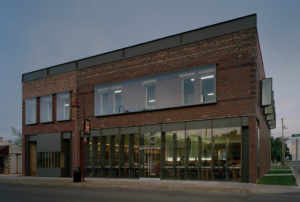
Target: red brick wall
(234,55)
(50,85)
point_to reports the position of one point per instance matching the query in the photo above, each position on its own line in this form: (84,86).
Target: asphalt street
(28,192)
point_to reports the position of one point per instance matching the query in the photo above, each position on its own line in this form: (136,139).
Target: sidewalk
(296,171)
(152,184)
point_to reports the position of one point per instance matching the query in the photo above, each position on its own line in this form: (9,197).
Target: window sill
(63,120)
(46,122)
(31,124)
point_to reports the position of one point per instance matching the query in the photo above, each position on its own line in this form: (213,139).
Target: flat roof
(172,41)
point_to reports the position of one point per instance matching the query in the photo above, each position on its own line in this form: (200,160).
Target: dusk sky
(36,34)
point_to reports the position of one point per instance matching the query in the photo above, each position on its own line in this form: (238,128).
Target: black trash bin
(77,175)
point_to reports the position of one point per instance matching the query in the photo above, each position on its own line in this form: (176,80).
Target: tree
(276,146)
(18,136)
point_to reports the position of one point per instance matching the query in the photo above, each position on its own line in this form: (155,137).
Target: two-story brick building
(195,105)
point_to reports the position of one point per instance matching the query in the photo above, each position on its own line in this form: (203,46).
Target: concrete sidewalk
(153,184)
(296,171)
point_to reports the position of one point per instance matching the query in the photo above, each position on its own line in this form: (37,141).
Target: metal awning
(4,150)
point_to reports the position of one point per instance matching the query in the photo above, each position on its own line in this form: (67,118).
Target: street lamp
(86,131)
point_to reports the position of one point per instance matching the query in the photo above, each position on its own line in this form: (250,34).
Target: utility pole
(297,149)
(282,143)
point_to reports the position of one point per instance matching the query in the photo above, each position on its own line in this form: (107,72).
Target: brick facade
(239,69)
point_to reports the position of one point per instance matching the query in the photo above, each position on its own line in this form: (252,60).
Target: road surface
(32,192)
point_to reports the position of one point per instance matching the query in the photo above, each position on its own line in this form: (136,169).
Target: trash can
(77,175)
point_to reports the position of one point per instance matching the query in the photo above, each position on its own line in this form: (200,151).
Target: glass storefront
(197,154)
(150,154)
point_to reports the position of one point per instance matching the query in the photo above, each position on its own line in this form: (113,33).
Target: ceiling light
(208,77)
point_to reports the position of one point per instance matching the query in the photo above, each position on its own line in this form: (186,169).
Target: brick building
(10,157)
(195,105)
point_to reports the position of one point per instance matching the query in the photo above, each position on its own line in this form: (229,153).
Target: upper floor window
(105,103)
(208,88)
(46,109)
(150,96)
(30,111)
(63,106)
(174,89)
(188,90)
(117,100)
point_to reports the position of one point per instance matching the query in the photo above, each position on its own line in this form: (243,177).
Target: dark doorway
(1,165)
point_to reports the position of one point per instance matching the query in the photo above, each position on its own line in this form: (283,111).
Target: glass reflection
(206,157)
(167,90)
(227,153)
(175,155)
(188,91)
(234,154)
(169,167)
(219,153)
(192,154)
(150,151)
(193,144)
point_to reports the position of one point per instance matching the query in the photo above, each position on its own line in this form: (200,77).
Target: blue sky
(36,34)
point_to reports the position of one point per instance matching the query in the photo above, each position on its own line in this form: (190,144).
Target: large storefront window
(193,146)
(150,154)
(93,156)
(226,153)
(169,167)
(107,156)
(206,154)
(169,90)
(196,154)
(89,156)
(220,140)
(234,154)
(174,155)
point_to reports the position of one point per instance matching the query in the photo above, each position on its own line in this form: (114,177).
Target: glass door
(152,162)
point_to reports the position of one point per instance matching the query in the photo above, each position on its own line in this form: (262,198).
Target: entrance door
(1,165)
(32,159)
(152,162)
